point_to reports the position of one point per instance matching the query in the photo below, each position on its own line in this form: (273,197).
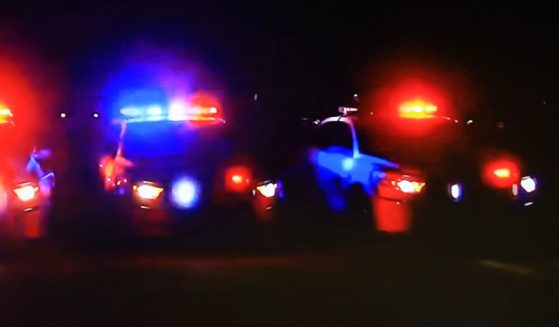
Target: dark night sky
(310,54)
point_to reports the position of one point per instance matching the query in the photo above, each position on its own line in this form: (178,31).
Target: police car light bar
(417,109)
(177,111)
(5,115)
(347,110)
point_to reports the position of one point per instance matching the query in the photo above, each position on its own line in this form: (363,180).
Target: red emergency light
(5,115)
(417,109)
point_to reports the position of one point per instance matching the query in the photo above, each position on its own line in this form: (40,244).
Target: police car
(464,161)
(467,170)
(337,173)
(25,186)
(178,159)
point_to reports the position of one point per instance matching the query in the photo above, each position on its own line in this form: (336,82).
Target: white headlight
(528,184)
(148,191)
(26,192)
(267,190)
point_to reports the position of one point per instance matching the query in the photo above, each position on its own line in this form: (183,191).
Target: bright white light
(149,192)
(26,193)
(528,184)
(177,110)
(456,191)
(6,112)
(527,204)
(348,163)
(469,122)
(95,115)
(62,115)
(155,110)
(267,190)
(185,193)
(406,186)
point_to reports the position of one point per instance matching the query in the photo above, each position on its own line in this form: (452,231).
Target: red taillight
(238,179)
(398,186)
(501,173)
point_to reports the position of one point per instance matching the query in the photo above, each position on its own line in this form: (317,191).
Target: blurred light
(5,115)
(62,115)
(185,193)
(6,112)
(238,178)
(348,164)
(268,189)
(347,110)
(181,110)
(95,115)
(155,110)
(148,191)
(502,172)
(515,189)
(469,122)
(410,187)
(26,192)
(527,204)
(528,184)
(417,109)
(456,192)
(131,111)
(177,110)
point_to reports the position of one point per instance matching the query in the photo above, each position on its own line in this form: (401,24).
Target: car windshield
(166,139)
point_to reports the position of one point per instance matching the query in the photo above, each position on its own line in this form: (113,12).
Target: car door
(331,156)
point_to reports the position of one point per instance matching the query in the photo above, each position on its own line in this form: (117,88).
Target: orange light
(399,187)
(502,172)
(417,109)
(237,179)
(5,115)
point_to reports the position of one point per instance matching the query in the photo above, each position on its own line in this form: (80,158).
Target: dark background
(312,55)
(306,59)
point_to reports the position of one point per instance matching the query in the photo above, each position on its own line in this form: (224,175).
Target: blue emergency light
(176,111)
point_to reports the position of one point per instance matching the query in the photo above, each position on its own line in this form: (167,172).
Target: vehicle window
(161,139)
(332,134)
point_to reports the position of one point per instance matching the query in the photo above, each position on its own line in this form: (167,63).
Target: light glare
(185,193)
(149,192)
(528,184)
(26,193)
(267,190)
